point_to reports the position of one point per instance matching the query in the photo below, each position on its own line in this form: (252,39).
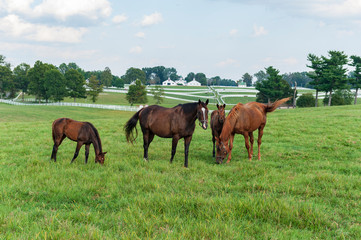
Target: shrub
(306,100)
(340,97)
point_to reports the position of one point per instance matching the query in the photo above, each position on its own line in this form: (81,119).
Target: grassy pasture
(307,185)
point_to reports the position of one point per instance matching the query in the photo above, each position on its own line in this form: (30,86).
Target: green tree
(133,74)
(55,85)
(273,88)
(247,78)
(316,74)
(340,97)
(301,78)
(201,78)
(106,77)
(75,83)
(306,100)
(117,82)
(21,77)
(190,77)
(261,76)
(158,94)
(36,76)
(94,88)
(6,80)
(137,93)
(334,72)
(356,79)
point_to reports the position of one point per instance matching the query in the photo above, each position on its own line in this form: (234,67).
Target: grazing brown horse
(80,132)
(176,123)
(217,120)
(244,119)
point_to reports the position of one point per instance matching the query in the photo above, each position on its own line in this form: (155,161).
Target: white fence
(111,107)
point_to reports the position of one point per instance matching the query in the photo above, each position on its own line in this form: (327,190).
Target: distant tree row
(48,82)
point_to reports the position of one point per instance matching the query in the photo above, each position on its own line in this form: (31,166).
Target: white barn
(181,82)
(194,83)
(169,82)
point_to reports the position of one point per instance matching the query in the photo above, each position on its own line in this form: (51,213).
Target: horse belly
(160,128)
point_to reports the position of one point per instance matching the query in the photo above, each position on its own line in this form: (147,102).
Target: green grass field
(307,185)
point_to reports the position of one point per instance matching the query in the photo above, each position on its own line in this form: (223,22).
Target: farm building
(169,82)
(194,83)
(181,82)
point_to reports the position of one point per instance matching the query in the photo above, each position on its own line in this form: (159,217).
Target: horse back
(250,117)
(68,127)
(164,122)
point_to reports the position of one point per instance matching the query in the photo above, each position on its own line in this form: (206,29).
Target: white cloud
(344,8)
(119,19)
(140,34)
(59,9)
(152,19)
(227,62)
(233,32)
(136,50)
(13,26)
(259,31)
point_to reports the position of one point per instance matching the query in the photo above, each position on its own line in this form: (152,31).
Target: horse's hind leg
(78,146)
(147,139)
(175,140)
(57,142)
(260,134)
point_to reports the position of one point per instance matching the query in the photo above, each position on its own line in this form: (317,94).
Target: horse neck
(192,113)
(96,141)
(227,129)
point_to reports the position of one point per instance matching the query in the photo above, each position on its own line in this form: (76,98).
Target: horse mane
(227,126)
(99,142)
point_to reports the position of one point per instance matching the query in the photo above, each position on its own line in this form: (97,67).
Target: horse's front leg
(78,146)
(251,139)
(57,143)
(86,153)
(175,140)
(187,142)
(230,148)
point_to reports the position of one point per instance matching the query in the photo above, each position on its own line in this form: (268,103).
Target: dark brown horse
(244,119)
(176,123)
(80,132)
(217,120)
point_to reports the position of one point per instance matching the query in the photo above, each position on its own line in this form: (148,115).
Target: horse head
(202,113)
(100,158)
(221,113)
(222,150)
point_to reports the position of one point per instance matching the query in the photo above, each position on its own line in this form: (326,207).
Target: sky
(225,38)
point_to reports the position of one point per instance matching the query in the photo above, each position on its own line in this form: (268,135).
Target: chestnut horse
(217,120)
(80,132)
(244,119)
(176,123)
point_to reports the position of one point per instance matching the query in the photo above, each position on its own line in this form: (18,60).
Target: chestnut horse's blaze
(244,119)
(176,123)
(217,120)
(80,132)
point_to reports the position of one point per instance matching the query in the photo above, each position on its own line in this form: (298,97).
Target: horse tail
(271,107)
(130,125)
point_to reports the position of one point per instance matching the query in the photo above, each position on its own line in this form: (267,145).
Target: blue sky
(217,37)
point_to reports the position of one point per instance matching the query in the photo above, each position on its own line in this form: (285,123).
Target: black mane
(97,137)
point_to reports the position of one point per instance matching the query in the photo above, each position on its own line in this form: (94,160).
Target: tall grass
(306,186)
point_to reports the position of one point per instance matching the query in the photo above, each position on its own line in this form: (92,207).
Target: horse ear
(199,101)
(207,102)
(224,106)
(217,106)
(104,153)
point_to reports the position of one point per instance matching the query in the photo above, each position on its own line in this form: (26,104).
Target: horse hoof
(146,160)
